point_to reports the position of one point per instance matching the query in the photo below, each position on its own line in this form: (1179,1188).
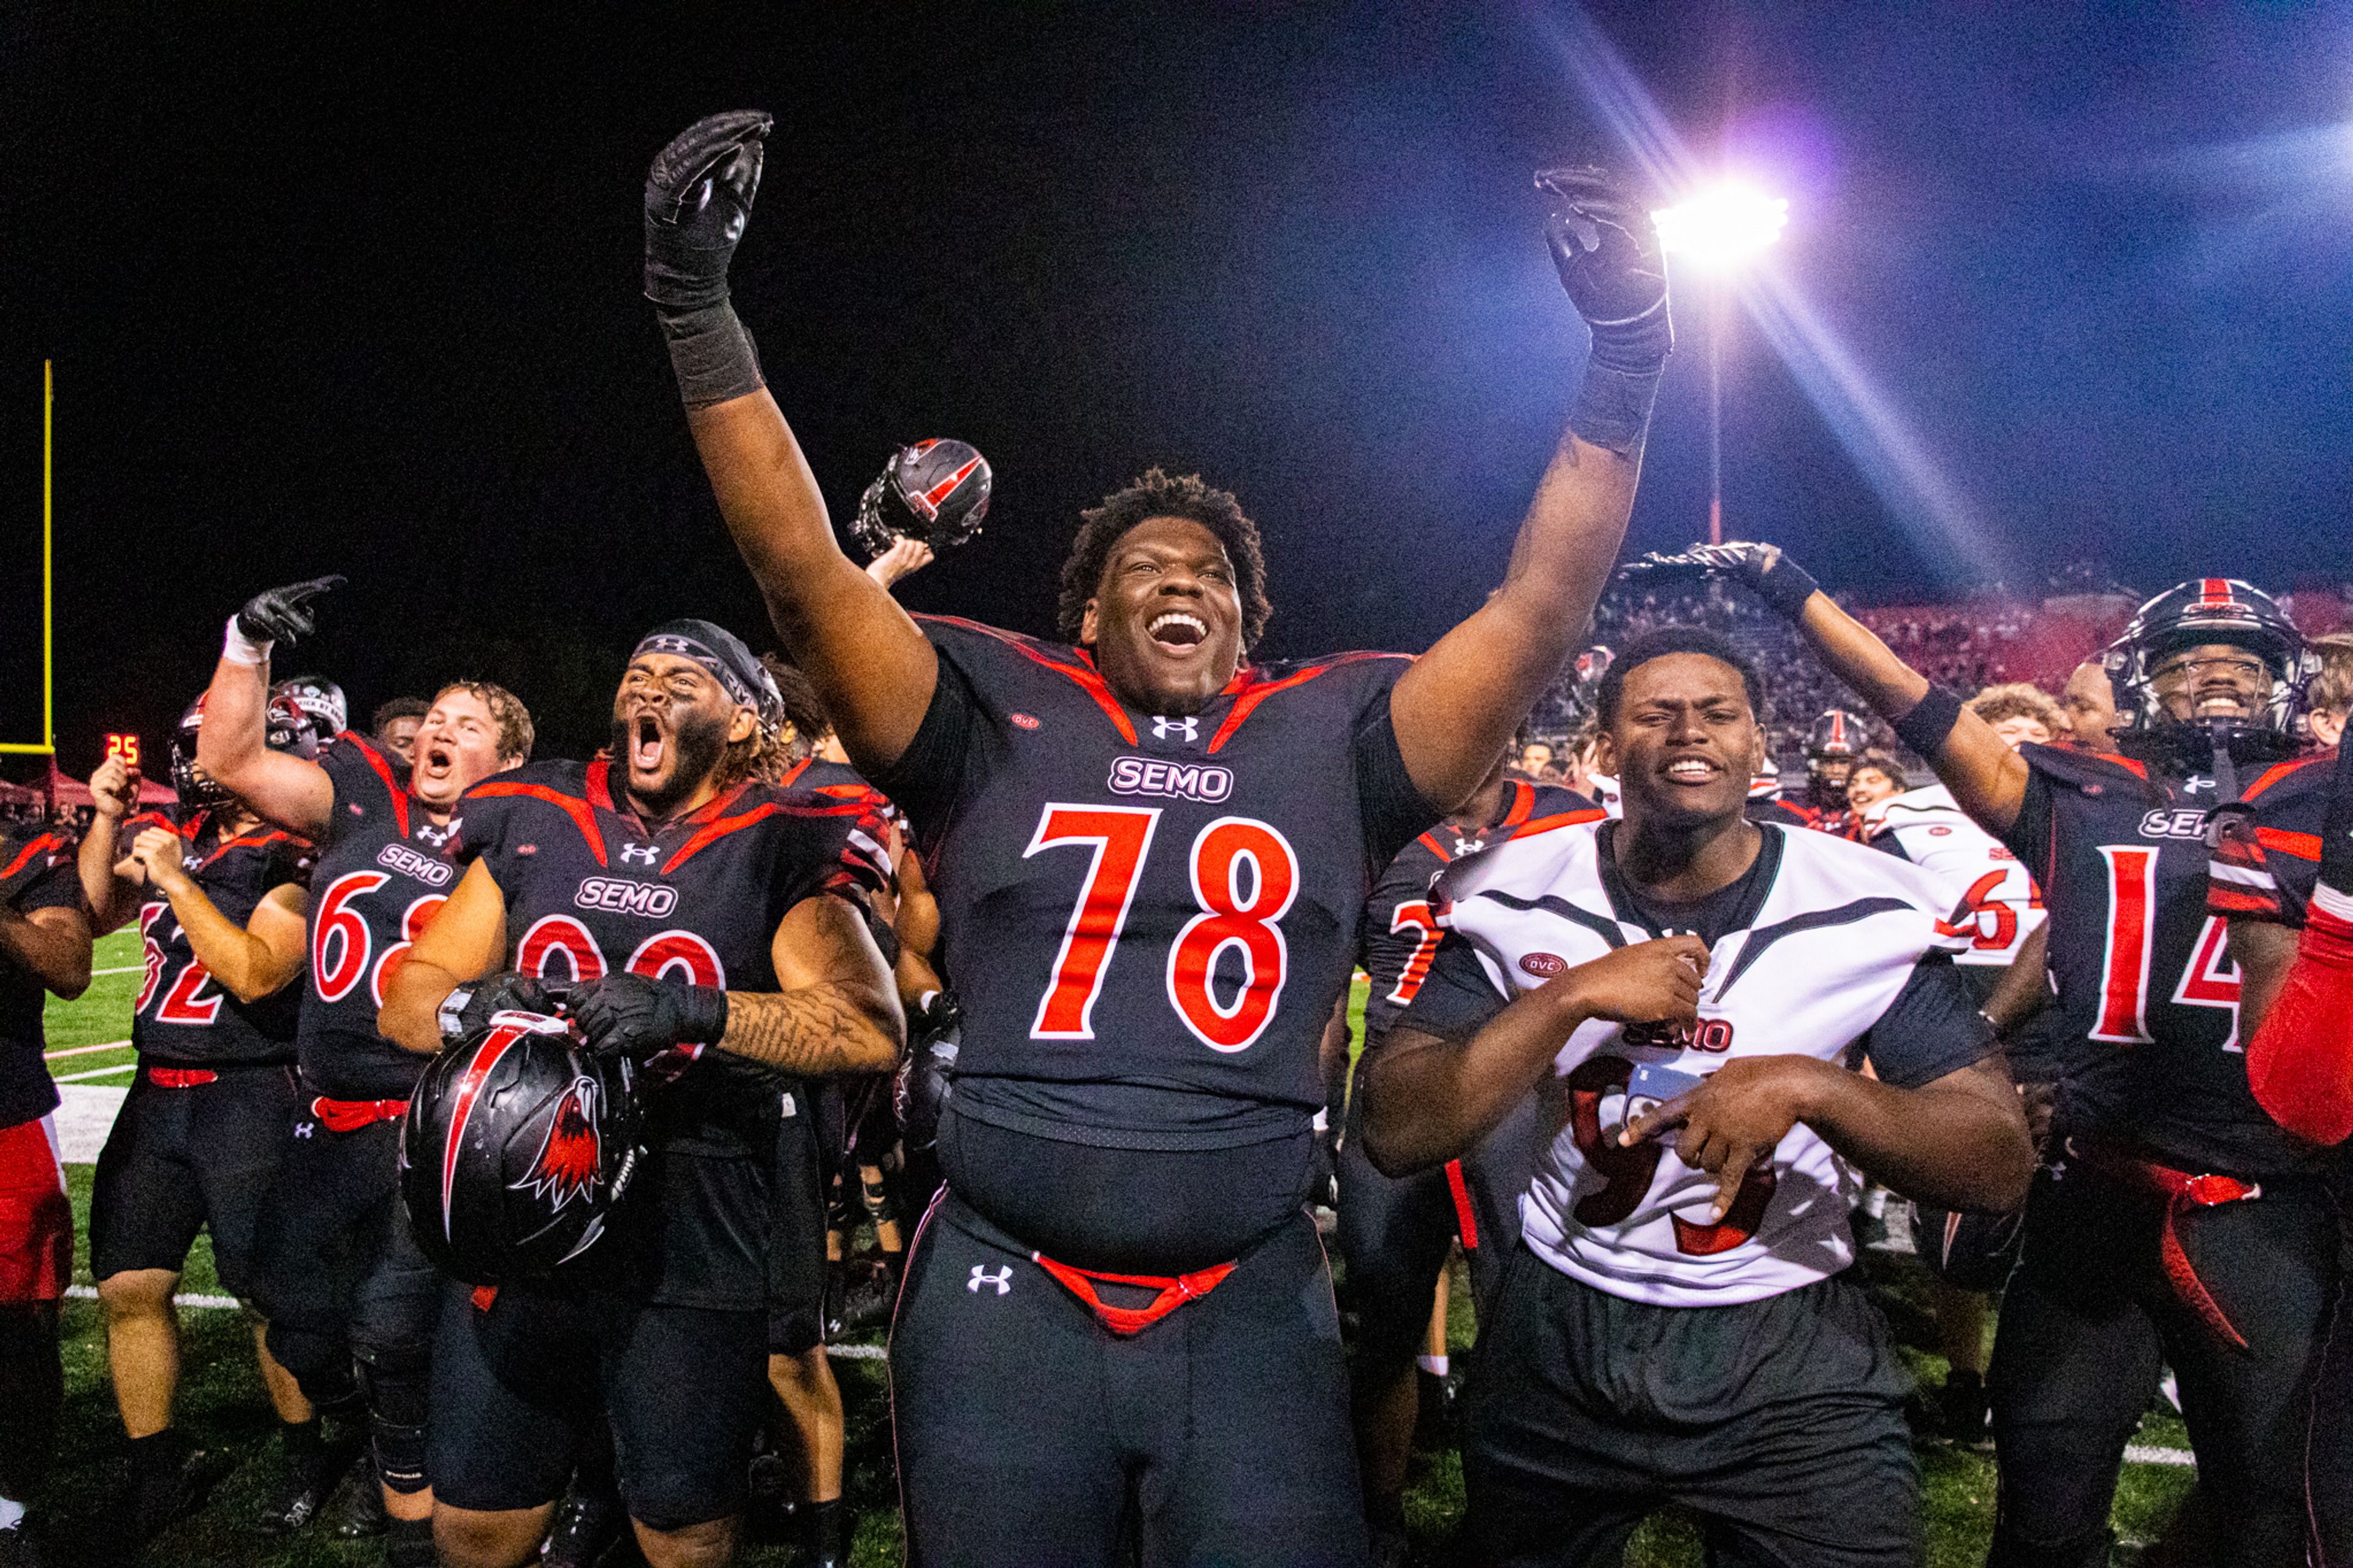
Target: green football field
(223,1408)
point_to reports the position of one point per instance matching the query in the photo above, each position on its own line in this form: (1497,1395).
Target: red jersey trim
(720,828)
(46,841)
(583,815)
(2275,773)
(376,760)
(1249,692)
(1523,797)
(2224,900)
(1083,674)
(2303,846)
(1559,819)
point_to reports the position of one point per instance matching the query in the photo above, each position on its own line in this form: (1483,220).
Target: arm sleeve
(1457,998)
(1394,811)
(929,774)
(2029,837)
(1933,1027)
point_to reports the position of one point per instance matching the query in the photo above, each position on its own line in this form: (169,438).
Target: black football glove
(1606,248)
(698,196)
(920,1087)
(283,614)
(630,1015)
(468,1009)
(1772,576)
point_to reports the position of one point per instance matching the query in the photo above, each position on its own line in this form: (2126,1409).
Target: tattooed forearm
(831,1027)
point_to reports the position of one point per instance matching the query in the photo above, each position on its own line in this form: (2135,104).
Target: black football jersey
(2147,995)
(2266,861)
(184,1016)
(1400,935)
(1146,919)
(591,889)
(382,874)
(36,872)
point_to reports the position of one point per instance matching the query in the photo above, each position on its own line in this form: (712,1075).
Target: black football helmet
(288,729)
(923,1084)
(517,1145)
(935,491)
(322,699)
(2210,610)
(1967,1251)
(1839,735)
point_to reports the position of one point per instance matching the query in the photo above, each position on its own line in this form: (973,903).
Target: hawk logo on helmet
(572,1155)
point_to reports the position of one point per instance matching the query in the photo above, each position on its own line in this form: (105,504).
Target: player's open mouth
(1692,769)
(645,745)
(437,759)
(1178,630)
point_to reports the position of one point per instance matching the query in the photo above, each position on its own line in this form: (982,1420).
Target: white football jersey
(1833,944)
(2001,905)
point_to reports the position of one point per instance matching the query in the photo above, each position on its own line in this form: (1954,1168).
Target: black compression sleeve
(929,774)
(1394,811)
(1932,719)
(1933,1027)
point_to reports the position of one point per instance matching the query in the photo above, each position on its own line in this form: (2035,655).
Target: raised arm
(1987,779)
(232,745)
(834,1008)
(110,880)
(1456,708)
(874,668)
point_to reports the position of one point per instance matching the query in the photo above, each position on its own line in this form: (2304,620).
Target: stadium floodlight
(1722,227)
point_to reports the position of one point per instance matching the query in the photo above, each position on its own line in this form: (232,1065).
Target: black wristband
(704,1014)
(1613,406)
(713,354)
(1931,720)
(1785,587)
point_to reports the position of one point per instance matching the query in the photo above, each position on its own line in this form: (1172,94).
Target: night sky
(359,292)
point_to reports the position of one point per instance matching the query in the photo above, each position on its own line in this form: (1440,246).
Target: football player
(1151,855)
(2189,1227)
(1396,1233)
(1690,993)
(2090,704)
(1832,745)
(346,1292)
(395,725)
(45,947)
(2021,714)
(712,924)
(2290,937)
(2332,693)
(220,898)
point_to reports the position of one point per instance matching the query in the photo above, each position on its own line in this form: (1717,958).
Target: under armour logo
(646,852)
(1002,1279)
(1162,729)
(1469,846)
(304,1129)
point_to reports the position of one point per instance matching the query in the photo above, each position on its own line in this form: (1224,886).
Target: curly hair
(1158,494)
(2020,700)
(804,708)
(513,719)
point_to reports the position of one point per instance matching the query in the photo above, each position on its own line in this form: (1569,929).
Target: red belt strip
(1174,1291)
(1466,1219)
(351,1115)
(180,1078)
(2183,1192)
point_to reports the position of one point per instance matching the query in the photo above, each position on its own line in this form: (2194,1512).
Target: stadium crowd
(536,1108)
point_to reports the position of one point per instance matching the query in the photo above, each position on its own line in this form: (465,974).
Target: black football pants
(2087,1319)
(346,1291)
(1779,1422)
(1028,1433)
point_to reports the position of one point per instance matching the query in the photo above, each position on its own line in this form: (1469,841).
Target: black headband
(720,652)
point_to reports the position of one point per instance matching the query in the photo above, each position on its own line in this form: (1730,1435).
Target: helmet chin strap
(2226,767)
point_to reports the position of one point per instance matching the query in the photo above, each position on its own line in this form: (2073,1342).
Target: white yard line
(85,1050)
(126,969)
(2143,1453)
(96,1072)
